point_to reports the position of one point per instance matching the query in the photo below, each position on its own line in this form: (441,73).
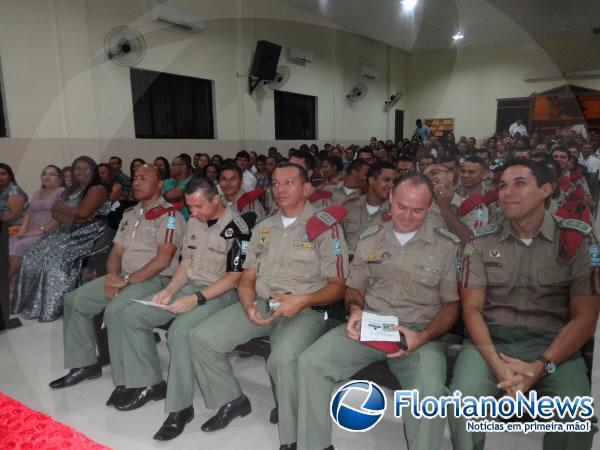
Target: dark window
(511,109)
(295,116)
(2,120)
(171,106)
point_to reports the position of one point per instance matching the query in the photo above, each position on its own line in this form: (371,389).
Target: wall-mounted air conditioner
(300,55)
(369,72)
(173,15)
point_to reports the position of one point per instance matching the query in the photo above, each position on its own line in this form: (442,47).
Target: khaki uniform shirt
(287,262)
(141,237)
(526,286)
(358,220)
(255,206)
(410,281)
(207,249)
(340,198)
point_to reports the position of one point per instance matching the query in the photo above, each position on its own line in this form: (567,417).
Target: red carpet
(23,428)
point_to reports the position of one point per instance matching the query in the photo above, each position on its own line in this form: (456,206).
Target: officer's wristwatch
(549,366)
(201,299)
(126,280)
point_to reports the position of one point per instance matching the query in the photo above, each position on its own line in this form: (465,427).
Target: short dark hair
(242,154)
(447,159)
(117,158)
(541,172)
(198,182)
(475,160)
(187,159)
(337,162)
(230,165)
(356,165)
(306,156)
(376,168)
(302,171)
(201,154)
(366,149)
(415,178)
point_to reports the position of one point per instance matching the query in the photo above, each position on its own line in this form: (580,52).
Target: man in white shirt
(518,127)
(242,159)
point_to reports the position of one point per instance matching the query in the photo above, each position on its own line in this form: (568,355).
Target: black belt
(321,308)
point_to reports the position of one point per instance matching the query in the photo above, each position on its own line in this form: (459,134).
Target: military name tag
(492,264)
(303,244)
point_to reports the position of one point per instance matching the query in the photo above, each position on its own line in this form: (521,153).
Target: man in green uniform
(372,208)
(144,255)
(295,266)
(230,184)
(350,189)
(529,303)
(405,268)
(201,285)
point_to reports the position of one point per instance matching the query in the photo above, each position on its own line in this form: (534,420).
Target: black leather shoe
(135,398)
(174,425)
(288,447)
(239,407)
(329,448)
(77,375)
(274,416)
(115,395)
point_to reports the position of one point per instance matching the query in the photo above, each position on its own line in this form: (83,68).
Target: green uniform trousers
(228,329)
(335,357)
(137,353)
(80,307)
(472,376)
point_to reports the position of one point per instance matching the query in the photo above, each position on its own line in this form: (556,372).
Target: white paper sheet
(379,328)
(149,303)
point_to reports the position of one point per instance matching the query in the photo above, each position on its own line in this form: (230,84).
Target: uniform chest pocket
(351,226)
(303,254)
(428,278)
(555,276)
(496,274)
(381,270)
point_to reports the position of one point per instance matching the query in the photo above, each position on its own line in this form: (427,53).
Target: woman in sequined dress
(50,269)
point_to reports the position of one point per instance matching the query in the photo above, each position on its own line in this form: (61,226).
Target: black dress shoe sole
(158,436)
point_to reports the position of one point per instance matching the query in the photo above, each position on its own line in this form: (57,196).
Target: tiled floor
(32,355)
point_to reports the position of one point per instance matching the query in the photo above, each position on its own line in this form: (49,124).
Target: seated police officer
(296,264)
(201,285)
(404,268)
(529,303)
(230,184)
(372,208)
(143,256)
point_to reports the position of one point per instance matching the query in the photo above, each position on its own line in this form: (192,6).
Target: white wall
(63,99)
(465,83)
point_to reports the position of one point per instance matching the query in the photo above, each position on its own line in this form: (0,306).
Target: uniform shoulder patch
(447,234)
(325,219)
(371,231)
(486,230)
(576,225)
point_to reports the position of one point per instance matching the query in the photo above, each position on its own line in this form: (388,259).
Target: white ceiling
(483,22)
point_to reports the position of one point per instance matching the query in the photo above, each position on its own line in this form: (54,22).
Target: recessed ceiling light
(458,36)
(409,5)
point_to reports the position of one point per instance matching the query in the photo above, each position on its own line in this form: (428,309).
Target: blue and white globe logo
(358,406)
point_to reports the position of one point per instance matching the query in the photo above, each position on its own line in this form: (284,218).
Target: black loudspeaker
(266,57)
